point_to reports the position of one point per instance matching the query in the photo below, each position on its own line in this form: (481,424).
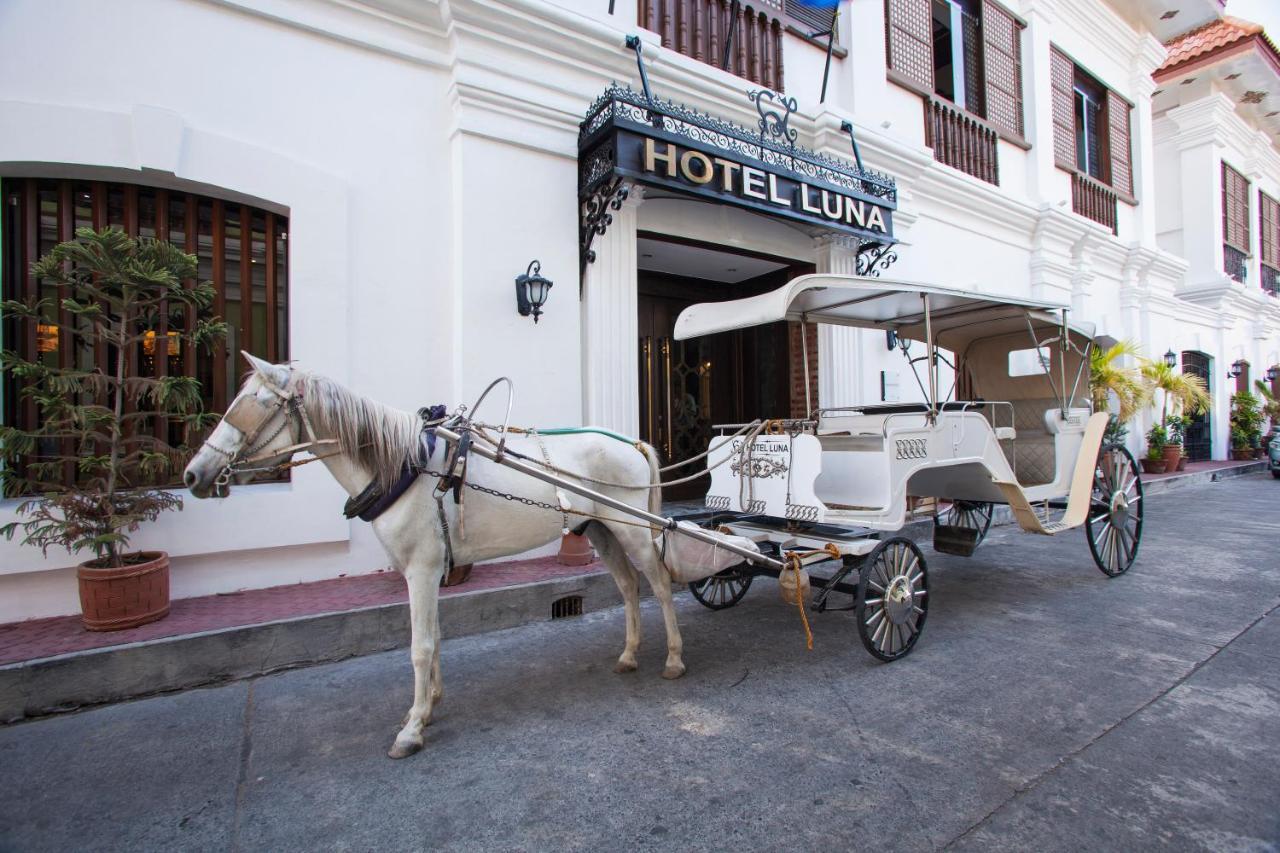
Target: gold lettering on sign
(804,200)
(651,156)
(753,182)
(773,191)
(854,212)
(707,170)
(829,211)
(727,170)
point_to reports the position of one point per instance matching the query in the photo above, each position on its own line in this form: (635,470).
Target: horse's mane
(379,438)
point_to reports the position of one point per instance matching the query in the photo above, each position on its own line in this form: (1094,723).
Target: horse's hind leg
(610,550)
(639,547)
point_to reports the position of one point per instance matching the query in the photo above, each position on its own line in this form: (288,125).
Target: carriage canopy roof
(958,317)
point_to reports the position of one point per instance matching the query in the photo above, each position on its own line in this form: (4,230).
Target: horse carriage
(1013,429)
(827,492)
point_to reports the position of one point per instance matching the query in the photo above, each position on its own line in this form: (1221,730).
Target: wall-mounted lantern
(532,291)
(1237,367)
(1171,359)
(1273,373)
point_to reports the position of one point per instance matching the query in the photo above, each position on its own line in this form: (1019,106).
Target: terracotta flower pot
(113,599)
(1172,453)
(575,550)
(1241,454)
(1182,462)
(1152,466)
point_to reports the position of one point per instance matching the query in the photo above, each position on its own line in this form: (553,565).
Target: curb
(67,682)
(51,685)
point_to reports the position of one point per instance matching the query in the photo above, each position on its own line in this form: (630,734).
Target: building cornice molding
(420,39)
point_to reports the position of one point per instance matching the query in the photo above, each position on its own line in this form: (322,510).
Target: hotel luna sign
(633,137)
(710,173)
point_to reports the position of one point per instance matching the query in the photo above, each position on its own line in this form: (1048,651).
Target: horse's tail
(655,477)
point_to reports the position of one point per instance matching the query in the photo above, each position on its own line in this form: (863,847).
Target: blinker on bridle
(251,417)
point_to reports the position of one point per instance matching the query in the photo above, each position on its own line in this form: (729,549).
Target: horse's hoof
(673,670)
(402,749)
(625,666)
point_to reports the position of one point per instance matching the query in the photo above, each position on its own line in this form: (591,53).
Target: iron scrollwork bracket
(596,217)
(875,258)
(774,122)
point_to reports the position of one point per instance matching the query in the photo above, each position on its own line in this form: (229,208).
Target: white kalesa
(1015,428)
(280,411)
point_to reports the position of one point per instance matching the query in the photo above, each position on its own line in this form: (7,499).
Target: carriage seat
(1034,455)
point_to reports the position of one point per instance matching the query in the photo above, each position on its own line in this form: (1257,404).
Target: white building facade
(419,154)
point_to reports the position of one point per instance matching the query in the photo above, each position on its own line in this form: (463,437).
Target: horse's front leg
(424,591)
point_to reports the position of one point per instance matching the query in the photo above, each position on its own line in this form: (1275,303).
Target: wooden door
(688,387)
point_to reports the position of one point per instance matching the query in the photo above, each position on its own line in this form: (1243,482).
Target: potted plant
(90,468)
(1246,425)
(1181,391)
(1111,382)
(1270,409)
(1153,462)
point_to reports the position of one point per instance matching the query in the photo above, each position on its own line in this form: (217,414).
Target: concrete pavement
(1046,707)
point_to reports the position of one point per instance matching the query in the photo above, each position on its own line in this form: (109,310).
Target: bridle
(251,417)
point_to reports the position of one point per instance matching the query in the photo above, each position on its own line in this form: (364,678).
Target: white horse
(280,411)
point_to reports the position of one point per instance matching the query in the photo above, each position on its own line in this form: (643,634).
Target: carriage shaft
(622,506)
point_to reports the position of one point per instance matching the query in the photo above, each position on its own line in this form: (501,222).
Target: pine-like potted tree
(1246,426)
(90,470)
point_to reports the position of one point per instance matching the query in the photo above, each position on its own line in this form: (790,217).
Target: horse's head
(258,431)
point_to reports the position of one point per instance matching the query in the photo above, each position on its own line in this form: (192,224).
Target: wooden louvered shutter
(975,100)
(1269,230)
(816,18)
(1119,144)
(1061,76)
(908,34)
(1235,209)
(1002,44)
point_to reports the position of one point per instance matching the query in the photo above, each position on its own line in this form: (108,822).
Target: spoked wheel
(1114,523)
(723,589)
(893,599)
(974,515)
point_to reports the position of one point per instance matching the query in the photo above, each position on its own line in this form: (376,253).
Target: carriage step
(956,540)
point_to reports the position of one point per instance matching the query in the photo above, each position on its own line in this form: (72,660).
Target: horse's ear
(276,374)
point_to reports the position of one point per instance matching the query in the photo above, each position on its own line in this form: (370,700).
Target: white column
(1142,139)
(1037,90)
(610,364)
(840,363)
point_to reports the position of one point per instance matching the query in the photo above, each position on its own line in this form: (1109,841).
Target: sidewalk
(49,665)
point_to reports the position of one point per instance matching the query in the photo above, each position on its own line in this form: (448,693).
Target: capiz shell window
(242,249)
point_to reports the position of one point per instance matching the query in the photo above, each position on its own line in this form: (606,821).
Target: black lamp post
(1237,367)
(1171,358)
(1273,373)
(532,291)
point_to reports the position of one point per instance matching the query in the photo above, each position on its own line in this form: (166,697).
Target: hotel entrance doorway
(688,387)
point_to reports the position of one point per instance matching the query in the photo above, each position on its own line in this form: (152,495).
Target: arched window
(242,249)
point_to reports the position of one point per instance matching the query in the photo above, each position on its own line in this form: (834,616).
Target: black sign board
(629,136)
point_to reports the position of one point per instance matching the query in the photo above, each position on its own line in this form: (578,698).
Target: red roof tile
(1213,38)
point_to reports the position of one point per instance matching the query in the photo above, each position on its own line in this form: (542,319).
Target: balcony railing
(1270,279)
(1093,200)
(700,29)
(961,141)
(1235,263)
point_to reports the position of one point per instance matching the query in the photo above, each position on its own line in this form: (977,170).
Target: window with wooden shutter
(811,18)
(1235,209)
(909,40)
(1269,230)
(1119,146)
(1062,78)
(1002,45)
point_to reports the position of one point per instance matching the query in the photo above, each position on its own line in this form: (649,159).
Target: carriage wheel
(724,589)
(893,598)
(1114,523)
(974,515)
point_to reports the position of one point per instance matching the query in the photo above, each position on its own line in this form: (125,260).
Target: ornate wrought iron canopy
(631,136)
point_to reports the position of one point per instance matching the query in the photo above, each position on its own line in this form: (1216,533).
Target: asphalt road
(1046,707)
